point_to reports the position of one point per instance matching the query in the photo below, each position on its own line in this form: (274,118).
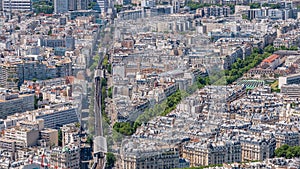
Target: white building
(54,117)
(70,134)
(148,3)
(66,157)
(102,6)
(291,79)
(275,14)
(17,5)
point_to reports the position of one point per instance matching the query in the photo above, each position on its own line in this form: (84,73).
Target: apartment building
(132,14)
(257,147)
(11,103)
(10,75)
(48,137)
(152,155)
(292,90)
(9,145)
(102,6)
(216,11)
(17,5)
(272,61)
(70,134)
(288,137)
(61,6)
(35,125)
(68,42)
(66,157)
(27,137)
(290,79)
(210,153)
(13,74)
(54,117)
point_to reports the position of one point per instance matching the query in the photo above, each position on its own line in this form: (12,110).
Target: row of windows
(17,4)
(17,7)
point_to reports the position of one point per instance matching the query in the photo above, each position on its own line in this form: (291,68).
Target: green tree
(91,5)
(50,32)
(110,160)
(273,6)
(118,7)
(89,140)
(117,137)
(244,16)
(43,7)
(293,48)
(110,93)
(269,49)
(36,100)
(105,62)
(59,137)
(125,128)
(77,125)
(254,5)
(109,68)
(289,155)
(104,82)
(288,151)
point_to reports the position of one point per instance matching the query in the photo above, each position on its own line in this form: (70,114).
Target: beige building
(257,147)
(24,135)
(210,153)
(27,137)
(49,137)
(66,157)
(36,124)
(149,155)
(70,134)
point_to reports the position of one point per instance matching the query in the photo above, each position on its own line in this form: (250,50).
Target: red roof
(271,58)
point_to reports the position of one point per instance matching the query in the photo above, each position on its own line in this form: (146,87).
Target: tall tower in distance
(102,6)
(82,4)
(61,6)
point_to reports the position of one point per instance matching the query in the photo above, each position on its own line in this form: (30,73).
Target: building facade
(102,6)
(15,103)
(58,118)
(25,136)
(290,79)
(257,147)
(70,134)
(66,157)
(17,5)
(12,75)
(61,6)
(210,153)
(49,137)
(162,158)
(287,137)
(292,90)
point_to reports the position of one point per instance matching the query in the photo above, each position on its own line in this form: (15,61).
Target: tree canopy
(288,151)
(110,160)
(43,7)
(254,5)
